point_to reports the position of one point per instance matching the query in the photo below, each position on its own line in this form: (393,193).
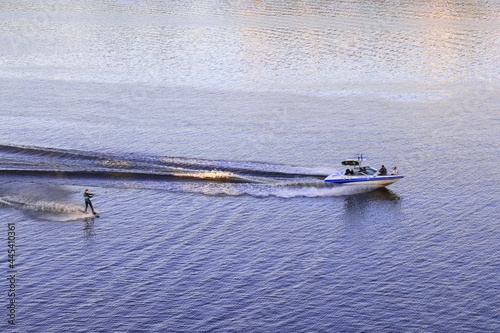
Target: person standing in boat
(382,171)
(87,195)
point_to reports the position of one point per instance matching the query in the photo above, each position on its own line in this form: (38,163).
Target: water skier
(87,195)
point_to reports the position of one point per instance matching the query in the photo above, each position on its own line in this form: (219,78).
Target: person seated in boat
(362,170)
(382,171)
(395,171)
(348,172)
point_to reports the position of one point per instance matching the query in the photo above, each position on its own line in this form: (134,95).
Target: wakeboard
(89,215)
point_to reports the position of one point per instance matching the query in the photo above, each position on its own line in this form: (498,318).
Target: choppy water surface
(206,129)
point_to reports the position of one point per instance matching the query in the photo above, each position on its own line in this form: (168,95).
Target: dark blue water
(206,130)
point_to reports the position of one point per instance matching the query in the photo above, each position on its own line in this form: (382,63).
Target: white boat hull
(375,181)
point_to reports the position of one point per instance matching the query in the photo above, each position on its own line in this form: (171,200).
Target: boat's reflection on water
(380,194)
(369,205)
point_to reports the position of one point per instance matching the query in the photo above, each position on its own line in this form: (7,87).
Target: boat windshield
(369,170)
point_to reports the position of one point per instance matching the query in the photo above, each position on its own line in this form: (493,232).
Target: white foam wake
(39,205)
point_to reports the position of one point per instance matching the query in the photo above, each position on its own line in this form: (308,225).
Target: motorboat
(359,174)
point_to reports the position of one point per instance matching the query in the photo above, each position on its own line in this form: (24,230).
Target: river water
(206,128)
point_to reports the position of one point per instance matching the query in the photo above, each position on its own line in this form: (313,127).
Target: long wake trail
(181,174)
